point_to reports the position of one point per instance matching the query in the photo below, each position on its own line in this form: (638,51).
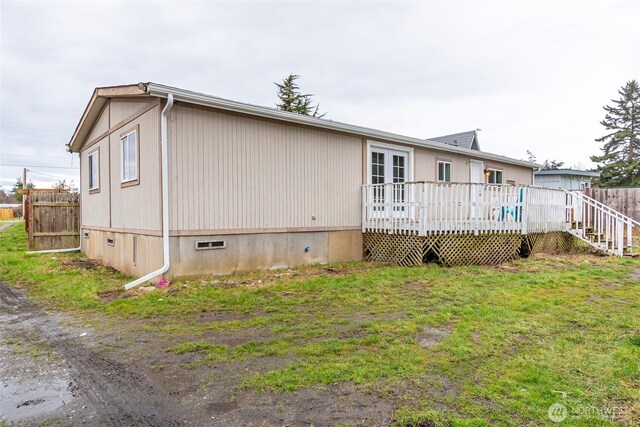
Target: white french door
(388,166)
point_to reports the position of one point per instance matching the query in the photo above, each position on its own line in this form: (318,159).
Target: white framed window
(444,171)
(584,184)
(494,176)
(129,156)
(94,170)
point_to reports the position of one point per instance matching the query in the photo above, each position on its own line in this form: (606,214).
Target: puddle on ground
(29,398)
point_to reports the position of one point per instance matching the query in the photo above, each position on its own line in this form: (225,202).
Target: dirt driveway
(47,374)
(53,371)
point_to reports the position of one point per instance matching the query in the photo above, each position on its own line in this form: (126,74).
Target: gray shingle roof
(568,172)
(463,139)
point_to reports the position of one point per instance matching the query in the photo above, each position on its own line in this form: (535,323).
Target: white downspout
(165,199)
(53,251)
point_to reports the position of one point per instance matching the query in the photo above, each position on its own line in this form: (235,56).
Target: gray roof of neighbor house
(577,172)
(100,95)
(462,139)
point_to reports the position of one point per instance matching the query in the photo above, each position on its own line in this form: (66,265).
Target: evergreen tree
(547,164)
(294,101)
(16,190)
(551,164)
(619,164)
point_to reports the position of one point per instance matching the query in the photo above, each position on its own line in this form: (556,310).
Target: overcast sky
(531,76)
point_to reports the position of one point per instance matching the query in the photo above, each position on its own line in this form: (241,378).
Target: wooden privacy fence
(6,213)
(624,200)
(53,220)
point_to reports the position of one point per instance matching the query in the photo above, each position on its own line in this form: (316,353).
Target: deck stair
(603,228)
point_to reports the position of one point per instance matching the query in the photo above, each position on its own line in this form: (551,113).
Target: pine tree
(294,101)
(16,190)
(547,164)
(551,164)
(619,164)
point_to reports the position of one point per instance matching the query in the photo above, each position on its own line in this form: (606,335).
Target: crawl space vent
(203,245)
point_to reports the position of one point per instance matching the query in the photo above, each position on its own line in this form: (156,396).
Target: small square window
(444,171)
(495,176)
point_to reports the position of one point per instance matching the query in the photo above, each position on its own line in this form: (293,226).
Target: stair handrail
(617,244)
(601,205)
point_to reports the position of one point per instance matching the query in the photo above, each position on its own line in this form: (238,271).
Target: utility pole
(24,196)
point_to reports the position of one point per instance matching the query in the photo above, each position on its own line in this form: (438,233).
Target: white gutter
(165,199)
(187,96)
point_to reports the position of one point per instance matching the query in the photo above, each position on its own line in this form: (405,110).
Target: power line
(38,166)
(35,129)
(49,175)
(27,155)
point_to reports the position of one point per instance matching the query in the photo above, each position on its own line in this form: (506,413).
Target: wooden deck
(456,222)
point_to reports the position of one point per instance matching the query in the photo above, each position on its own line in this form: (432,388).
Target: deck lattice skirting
(463,249)
(551,243)
(484,224)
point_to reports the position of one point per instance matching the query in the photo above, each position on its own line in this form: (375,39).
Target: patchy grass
(48,279)
(22,345)
(449,346)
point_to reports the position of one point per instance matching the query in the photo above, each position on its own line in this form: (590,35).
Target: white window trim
(446,162)
(97,154)
(495,170)
(122,138)
(385,146)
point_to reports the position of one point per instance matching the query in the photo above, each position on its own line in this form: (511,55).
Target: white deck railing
(430,208)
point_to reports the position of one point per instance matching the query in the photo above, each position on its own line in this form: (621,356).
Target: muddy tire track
(119,394)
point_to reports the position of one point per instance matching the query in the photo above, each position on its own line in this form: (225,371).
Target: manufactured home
(181,183)
(568,179)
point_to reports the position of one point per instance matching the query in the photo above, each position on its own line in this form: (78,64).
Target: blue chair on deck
(515,212)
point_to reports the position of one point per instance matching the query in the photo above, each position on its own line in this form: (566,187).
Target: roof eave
(572,172)
(181,95)
(94,107)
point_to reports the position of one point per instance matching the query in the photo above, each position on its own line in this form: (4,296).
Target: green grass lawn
(453,346)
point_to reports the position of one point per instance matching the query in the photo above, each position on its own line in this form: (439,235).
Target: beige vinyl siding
(425,164)
(230,172)
(426,160)
(120,109)
(95,207)
(519,174)
(101,126)
(138,206)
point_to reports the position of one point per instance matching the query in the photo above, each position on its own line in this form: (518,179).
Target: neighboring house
(247,187)
(567,179)
(463,139)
